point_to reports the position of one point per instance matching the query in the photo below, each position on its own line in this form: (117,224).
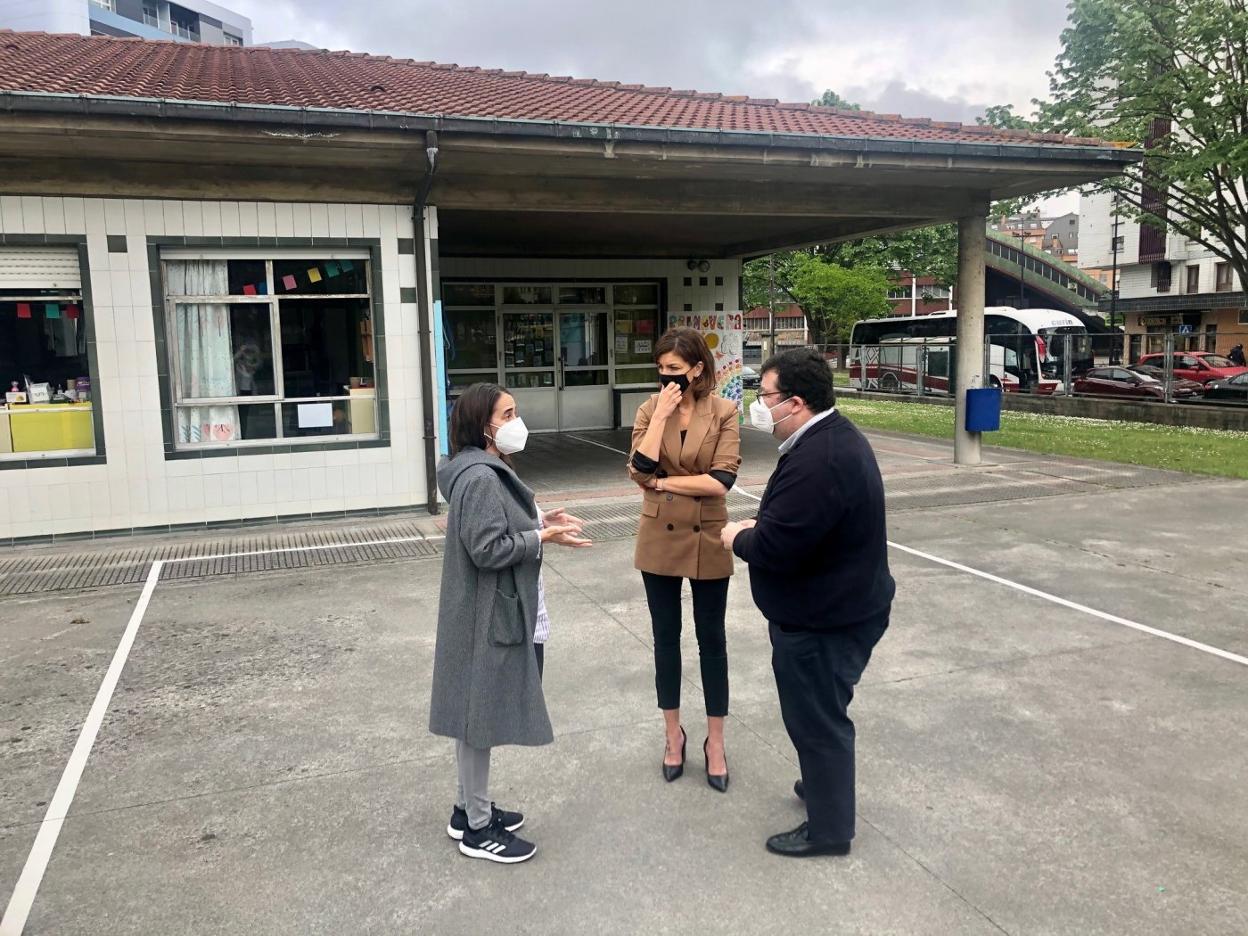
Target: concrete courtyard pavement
(1024,767)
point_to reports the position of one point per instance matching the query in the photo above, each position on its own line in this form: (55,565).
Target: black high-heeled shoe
(673,772)
(717,782)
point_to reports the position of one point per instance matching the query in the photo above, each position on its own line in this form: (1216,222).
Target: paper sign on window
(316,415)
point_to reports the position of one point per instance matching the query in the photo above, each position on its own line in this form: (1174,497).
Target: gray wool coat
(486,688)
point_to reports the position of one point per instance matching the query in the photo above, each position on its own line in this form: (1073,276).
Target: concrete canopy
(527,188)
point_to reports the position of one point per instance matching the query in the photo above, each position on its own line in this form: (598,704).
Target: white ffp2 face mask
(511,437)
(761,418)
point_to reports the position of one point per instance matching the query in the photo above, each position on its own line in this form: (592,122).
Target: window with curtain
(270,349)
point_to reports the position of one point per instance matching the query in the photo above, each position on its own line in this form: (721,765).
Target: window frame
(67,457)
(163,250)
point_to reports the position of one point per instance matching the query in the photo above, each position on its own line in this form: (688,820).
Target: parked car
(749,378)
(1118,381)
(1189,387)
(1201,366)
(1234,390)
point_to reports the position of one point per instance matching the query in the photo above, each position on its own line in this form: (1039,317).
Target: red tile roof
(96,65)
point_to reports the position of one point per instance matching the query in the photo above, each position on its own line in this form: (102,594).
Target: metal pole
(1113,291)
(1022,270)
(1068,364)
(972,240)
(771,302)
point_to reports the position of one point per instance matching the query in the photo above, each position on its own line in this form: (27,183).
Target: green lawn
(1201,451)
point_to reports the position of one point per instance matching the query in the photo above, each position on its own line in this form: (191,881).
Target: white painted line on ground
(1035,592)
(18,910)
(1075,606)
(609,448)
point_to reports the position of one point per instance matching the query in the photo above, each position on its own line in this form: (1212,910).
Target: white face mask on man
(511,437)
(761,418)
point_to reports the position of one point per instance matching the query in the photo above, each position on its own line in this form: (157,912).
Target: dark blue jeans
(816,672)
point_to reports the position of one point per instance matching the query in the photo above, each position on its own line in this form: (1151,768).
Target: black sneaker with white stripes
(459,821)
(495,843)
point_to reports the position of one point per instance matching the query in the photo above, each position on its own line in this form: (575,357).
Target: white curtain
(205,350)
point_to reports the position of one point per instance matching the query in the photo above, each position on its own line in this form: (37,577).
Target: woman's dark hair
(803,373)
(472,414)
(689,345)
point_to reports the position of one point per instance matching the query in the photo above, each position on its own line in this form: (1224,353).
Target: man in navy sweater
(818,558)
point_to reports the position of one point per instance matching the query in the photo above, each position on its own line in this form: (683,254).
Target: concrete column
(971,249)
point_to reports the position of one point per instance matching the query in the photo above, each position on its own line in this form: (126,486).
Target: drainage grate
(104,566)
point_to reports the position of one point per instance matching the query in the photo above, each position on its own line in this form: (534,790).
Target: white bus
(1026,350)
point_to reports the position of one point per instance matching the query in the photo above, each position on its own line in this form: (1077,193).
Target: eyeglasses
(763,396)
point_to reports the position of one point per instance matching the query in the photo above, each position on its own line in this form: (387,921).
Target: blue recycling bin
(983,409)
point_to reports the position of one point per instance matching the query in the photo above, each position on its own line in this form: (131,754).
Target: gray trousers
(473,794)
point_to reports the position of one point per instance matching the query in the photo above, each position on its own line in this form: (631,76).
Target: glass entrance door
(529,366)
(584,370)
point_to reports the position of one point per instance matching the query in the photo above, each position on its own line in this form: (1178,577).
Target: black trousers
(710,602)
(815,675)
(540,650)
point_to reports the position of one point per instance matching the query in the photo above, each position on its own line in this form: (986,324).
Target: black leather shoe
(795,844)
(671,772)
(800,789)
(715,781)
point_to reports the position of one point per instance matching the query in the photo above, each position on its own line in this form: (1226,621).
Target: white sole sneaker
(458,835)
(490,856)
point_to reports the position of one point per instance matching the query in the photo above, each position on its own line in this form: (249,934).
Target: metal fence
(1163,367)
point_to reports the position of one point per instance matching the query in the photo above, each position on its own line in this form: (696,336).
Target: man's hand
(730,532)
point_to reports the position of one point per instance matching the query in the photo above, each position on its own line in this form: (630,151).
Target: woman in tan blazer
(685,456)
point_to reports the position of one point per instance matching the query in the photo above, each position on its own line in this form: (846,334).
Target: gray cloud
(914,57)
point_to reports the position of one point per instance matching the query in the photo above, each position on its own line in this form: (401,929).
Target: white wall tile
(302,219)
(318,220)
(94,214)
(54,215)
(11,214)
(75,215)
(355,220)
(114,216)
(193,218)
(285,215)
(154,218)
(174,225)
(266,219)
(337,220)
(248,219)
(231,220)
(212,219)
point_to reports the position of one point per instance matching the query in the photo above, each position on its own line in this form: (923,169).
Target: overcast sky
(945,59)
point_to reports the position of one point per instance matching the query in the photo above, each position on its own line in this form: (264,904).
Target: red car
(1118,381)
(1201,366)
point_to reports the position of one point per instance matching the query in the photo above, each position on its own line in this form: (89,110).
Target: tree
(1003,117)
(830,98)
(1172,74)
(834,297)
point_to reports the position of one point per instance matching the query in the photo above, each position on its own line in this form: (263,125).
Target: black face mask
(680,380)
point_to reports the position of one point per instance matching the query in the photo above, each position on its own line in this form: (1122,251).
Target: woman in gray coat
(487,687)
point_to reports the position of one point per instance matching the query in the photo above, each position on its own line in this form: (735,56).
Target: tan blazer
(679,534)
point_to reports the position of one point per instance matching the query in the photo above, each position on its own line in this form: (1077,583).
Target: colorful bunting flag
(262,288)
(51,310)
(347,266)
(331,268)
(72,311)
(249,290)
(289,282)
(314,275)
(23,310)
